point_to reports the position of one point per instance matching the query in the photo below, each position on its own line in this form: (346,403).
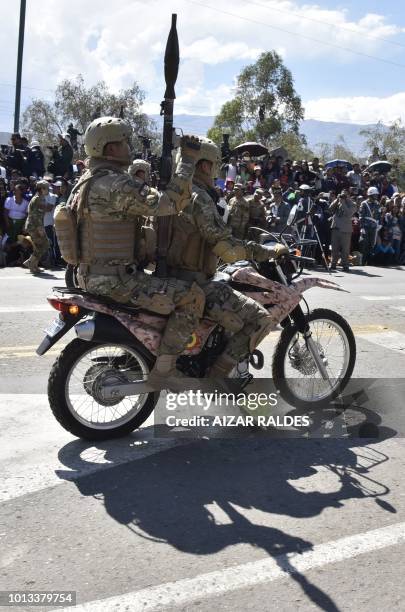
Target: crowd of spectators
(22,165)
(355,207)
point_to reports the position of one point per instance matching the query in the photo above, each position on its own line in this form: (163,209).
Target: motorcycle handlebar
(310,260)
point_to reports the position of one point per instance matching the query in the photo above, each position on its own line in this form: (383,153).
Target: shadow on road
(167,497)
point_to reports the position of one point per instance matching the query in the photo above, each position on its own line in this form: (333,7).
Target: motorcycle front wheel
(295,372)
(75,389)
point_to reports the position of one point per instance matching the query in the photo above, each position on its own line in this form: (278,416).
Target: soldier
(198,238)
(110,205)
(257,212)
(369,214)
(34,225)
(238,219)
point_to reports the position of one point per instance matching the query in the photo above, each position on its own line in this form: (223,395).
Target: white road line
(184,592)
(29,454)
(390,339)
(382,298)
(32,308)
(29,275)
(400,308)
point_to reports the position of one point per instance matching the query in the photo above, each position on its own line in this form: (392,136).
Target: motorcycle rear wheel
(295,373)
(75,383)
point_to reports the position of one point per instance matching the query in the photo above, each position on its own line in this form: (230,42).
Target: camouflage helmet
(140,164)
(103,130)
(210,152)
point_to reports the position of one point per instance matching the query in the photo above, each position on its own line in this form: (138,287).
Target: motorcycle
(98,386)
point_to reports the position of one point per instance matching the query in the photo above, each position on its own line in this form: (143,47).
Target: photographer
(343,210)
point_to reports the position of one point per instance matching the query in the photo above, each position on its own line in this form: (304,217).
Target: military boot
(165,375)
(33,266)
(223,366)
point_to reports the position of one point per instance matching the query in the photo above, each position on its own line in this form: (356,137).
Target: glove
(190,147)
(261,252)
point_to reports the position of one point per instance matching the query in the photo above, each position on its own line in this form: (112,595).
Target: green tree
(295,144)
(75,103)
(389,139)
(338,150)
(265,105)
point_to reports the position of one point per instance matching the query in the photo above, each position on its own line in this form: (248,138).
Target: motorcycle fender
(52,338)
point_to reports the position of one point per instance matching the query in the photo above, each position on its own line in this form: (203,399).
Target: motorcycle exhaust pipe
(103,328)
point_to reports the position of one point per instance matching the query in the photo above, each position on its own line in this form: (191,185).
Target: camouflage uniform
(34,225)
(110,207)
(199,237)
(239,217)
(257,214)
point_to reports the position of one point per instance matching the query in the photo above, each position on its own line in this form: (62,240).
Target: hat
(260,192)
(258,167)
(48,177)
(34,143)
(57,184)
(238,186)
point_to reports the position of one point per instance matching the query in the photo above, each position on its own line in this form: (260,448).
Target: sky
(346,57)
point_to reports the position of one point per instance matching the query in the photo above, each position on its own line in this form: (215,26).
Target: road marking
(390,339)
(29,275)
(400,308)
(184,592)
(38,453)
(382,298)
(32,308)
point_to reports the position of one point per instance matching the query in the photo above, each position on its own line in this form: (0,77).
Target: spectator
(341,228)
(369,215)
(15,211)
(239,213)
(37,168)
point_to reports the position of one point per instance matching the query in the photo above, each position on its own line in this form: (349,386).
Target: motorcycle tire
(58,392)
(281,354)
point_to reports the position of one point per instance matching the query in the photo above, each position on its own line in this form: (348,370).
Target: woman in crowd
(15,211)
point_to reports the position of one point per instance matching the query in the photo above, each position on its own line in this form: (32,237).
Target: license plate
(55,327)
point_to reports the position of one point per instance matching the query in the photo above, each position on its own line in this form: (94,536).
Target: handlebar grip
(302,259)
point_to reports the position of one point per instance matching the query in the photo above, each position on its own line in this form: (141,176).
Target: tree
(295,144)
(76,103)
(389,139)
(338,150)
(265,105)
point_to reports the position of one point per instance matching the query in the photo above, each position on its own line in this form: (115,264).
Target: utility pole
(19,66)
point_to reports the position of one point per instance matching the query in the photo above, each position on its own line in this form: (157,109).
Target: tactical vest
(106,242)
(189,254)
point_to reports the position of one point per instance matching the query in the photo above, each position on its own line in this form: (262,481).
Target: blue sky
(126,41)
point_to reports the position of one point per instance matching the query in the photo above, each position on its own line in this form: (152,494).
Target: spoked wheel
(75,389)
(295,371)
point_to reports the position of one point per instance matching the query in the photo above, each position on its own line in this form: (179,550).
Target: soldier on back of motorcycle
(109,204)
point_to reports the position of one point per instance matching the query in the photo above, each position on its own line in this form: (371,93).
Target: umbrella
(334,163)
(253,148)
(380,166)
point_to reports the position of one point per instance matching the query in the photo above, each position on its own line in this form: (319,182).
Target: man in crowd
(342,210)
(279,211)
(239,213)
(369,219)
(257,212)
(34,226)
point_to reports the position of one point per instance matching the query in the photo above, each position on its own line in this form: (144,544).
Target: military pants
(340,246)
(39,240)
(182,301)
(248,321)
(367,242)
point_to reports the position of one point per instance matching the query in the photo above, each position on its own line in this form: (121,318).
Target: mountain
(315,131)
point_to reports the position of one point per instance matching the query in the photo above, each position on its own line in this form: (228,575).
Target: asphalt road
(144,523)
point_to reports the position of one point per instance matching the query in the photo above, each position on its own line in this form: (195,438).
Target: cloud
(357,109)
(125,41)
